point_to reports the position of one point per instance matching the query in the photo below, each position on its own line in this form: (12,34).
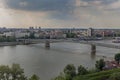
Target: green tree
(100,64)
(17,72)
(115,76)
(117,58)
(90,71)
(34,77)
(32,35)
(70,71)
(4,72)
(82,70)
(60,77)
(12,73)
(71,35)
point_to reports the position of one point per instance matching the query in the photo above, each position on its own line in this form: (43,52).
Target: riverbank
(10,43)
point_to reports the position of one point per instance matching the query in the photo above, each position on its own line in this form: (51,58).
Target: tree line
(70,72)
(14,72)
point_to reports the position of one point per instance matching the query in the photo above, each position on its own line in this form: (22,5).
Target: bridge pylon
(47,44)
(93,48)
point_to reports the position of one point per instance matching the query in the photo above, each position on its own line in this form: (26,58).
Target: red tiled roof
(111,65)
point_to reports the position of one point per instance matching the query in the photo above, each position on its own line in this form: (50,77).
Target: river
(48,63)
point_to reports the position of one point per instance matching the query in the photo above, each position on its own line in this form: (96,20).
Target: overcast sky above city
(60,13)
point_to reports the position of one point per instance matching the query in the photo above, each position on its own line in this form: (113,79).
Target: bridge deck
(97,43)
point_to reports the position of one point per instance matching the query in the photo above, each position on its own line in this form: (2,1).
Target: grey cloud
(40,5)
(102,4)
(102,1)
(56,8)
(59,9)
(108,1)
(61,6)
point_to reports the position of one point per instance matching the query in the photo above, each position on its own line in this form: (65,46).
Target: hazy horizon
(57,13)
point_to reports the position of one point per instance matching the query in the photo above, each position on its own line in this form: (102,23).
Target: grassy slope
(103,75)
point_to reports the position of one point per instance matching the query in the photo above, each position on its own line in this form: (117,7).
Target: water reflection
(93,55)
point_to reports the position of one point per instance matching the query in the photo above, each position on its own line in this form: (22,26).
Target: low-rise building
(111,65)
(9,34)
(19,34)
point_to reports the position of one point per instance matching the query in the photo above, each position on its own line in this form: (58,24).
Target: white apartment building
(19,34)
(9,34)
(90,32)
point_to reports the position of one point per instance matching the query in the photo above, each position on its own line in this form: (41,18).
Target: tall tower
(90,32)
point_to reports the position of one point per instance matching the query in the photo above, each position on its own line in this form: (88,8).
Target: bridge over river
(48,41)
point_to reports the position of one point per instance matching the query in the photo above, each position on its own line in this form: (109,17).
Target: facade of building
(19,34)
(9,34)
(90,32)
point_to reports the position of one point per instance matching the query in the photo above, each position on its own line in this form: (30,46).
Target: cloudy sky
(60,13)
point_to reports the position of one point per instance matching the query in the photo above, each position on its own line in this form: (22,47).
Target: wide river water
(48,63)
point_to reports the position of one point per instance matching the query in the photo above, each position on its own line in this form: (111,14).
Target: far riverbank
(10,43)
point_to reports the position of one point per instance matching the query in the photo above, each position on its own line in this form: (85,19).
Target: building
(21,34)
(111,65)
(90,32)
(9,34)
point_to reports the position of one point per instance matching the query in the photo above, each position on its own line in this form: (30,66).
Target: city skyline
(60,13)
